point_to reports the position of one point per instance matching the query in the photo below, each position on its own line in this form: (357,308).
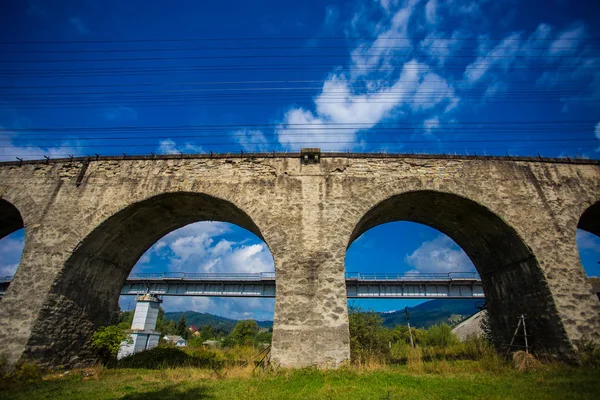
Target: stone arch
(590,219)
(512,278)
(590,222)
(10,218)
(86,293)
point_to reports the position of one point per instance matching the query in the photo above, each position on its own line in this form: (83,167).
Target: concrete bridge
(457,285)
(87,222)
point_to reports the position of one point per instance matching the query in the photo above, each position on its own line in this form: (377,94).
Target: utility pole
(412,344)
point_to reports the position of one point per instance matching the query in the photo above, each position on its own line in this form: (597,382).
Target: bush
(588,351)
(107,341)
(440,336)
(368,338)
(170,357)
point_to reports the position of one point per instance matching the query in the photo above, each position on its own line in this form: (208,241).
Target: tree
(207,332)
(125,320)
(182,327)
(244,331)
(368,336)
(107,341)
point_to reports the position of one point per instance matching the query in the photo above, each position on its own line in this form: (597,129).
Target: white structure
(178,341)
(144,335)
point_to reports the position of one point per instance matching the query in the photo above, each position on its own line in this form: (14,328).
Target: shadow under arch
(590,222)
(512,279)
(86,293)
(590,219)
(10,218)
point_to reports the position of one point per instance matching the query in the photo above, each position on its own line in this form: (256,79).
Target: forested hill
(422,316)
(200,319)
(433,312)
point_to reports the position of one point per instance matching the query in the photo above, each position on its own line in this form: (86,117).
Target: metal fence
(380,276)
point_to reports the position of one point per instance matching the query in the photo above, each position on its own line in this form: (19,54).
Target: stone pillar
(311,314)
(144,336)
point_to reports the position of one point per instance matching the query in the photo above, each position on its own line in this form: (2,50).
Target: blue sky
(484,77)
(426,76)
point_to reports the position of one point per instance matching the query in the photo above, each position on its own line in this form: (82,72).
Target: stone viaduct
(88,221)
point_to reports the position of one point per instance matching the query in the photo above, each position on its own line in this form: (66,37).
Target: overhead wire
(46,96)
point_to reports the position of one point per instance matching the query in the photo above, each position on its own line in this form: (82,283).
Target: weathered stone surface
(516,219)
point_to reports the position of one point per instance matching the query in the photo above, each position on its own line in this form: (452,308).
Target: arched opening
(207,248)
(588,244)
(511,277)
(12,241)
(407,249)
(87,292)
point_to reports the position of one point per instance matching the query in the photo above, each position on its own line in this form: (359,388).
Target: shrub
(169,357)
(368,338)
(107,341)
(440,336)
(588,351)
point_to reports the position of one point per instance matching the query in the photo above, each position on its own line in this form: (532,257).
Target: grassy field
(430,380)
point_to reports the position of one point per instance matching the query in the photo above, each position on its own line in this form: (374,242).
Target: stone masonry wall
(306,214)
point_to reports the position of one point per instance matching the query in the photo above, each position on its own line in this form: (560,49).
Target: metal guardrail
(413,276)
(202,276)
(359,276)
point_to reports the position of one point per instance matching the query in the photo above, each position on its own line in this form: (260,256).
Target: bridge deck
(414,286)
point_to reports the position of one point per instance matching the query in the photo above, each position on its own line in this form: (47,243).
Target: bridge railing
(382,276)
(202,276)
(379,276)
(258,276)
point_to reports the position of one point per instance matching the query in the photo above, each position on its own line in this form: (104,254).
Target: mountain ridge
(424,315)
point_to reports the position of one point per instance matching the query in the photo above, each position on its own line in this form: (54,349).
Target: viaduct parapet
(87,222)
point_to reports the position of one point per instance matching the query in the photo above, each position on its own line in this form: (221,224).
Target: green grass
(433,380)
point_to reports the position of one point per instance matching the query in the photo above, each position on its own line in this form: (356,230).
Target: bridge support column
(311,315)
(144,336)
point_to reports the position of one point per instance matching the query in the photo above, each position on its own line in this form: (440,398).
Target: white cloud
(11,249)
(503,55)
(79,25)
(439,47)
(587,241)
(169,146)
(431,124)
(430,12)
(201,247)
(440,255)
(378,83)
(252,140)
(417,88)
(198,248)
(568,42)
(597,133)
(571,64)
(10,151)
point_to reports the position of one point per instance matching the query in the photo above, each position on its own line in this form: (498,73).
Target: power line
(320,141)
(292,38)
(284,56)
(362,83)
(86,50)
(323,124)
